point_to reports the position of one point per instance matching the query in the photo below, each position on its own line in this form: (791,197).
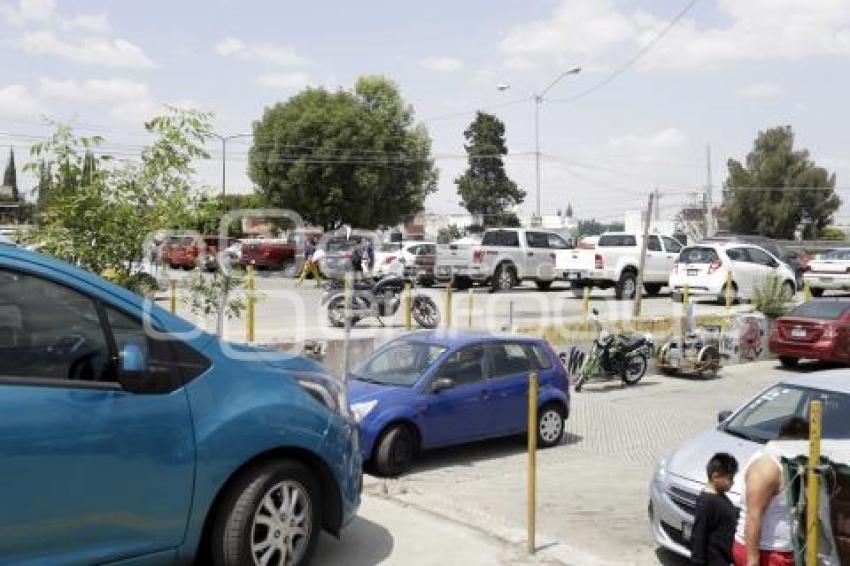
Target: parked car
(399,258)
(796,261)
(338,251)
(208,253)
(424,263)
(818,329)
(680,477)
(267,253)
(505,257)
(705,267)
(432,388)
(120,444)
(4,241)
(829,272)
(615,261)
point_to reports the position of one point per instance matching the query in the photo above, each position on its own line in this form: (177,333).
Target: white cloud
(668,138)
(118,53)
(761,90)
(285,81)
(28,12)
(597,32)
(441,63)
(95,90)
(92,23)
(265,52)
(17,101)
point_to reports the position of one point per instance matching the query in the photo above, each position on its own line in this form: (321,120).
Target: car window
(654,244)
(464,367)
(509,359)
(698,255)
(539,357)
(617,241)
(536,240)
(738,254)
(556,242)
(428,249)
(671,245)
(49,331)
(504,238)
(399,363)
(822,310)
(759,256)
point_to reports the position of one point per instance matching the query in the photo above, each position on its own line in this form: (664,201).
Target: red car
(818,329)
(267,253)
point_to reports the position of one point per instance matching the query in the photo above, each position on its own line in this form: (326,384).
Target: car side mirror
(722,416)
(595,311)
(441,384)
(132,368)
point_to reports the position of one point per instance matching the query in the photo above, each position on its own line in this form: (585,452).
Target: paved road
(593,490)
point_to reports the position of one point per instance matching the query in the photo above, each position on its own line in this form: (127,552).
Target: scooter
(378,299)
(611,354)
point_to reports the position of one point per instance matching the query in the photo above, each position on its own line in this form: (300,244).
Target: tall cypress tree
(10,175)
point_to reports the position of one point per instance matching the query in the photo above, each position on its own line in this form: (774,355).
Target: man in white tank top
(764,534)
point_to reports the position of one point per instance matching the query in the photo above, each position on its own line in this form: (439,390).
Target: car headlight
(660,475)
(324,389)
(360,410)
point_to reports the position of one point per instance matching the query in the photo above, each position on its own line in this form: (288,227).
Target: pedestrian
(715,517)
(764,535)
(312,255)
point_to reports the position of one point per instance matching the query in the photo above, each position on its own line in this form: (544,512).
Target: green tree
(593,227)
(484,188)
(346,157)
(10,176)
(779,188)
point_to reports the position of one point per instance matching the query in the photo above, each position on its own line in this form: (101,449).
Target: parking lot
(592,490)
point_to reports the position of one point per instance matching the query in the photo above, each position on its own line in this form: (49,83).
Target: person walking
(715,517)
(312,255)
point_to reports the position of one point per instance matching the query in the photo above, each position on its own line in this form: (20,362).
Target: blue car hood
(359,391)
(270,357)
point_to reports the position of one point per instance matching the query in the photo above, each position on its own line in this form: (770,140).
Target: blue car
(129,436)
(436,388)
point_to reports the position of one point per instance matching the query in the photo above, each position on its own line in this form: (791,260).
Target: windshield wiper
(744,435)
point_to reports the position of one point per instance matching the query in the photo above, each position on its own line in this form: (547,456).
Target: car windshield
(399,363)
(837,255)
(822,310)
(340,244)
(761,420)
(698,255)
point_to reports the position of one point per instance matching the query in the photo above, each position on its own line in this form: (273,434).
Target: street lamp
(538,101)
(224,140)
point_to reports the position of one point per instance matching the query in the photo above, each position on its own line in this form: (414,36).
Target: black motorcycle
(612,354)
(378,299)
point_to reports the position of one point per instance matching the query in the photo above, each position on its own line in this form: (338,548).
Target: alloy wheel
(551,425)
(280,533)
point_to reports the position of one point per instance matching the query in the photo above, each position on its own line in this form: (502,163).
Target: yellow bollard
(250,313)
(807,293)
(812,491)
(685,299)
(449,306)
(532,460)
(728,289)
(172,296)
(471,299)
(585,303)
(408,307)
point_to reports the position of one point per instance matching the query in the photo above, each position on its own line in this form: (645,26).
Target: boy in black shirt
(715,518)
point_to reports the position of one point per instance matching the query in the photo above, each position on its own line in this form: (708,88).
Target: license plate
(693,272)
(572,275)
(798,332)
(687,530)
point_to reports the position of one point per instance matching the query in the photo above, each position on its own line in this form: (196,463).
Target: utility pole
(224,140)
(646,221)
(657,207)
(709,197)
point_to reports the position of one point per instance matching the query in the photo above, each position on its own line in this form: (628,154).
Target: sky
(649,99)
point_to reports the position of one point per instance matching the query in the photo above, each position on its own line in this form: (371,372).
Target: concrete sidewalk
(390,532)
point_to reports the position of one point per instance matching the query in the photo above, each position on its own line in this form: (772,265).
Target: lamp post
(224,139)
(538,101)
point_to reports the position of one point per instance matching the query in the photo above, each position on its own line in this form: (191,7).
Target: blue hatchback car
(436,388)
(138,439)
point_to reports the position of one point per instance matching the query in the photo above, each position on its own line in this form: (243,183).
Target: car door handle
(530,253)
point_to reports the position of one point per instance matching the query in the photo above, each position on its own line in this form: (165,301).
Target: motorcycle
(378,299)
(611,354)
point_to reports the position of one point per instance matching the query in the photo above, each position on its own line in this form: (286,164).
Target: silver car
(680,476)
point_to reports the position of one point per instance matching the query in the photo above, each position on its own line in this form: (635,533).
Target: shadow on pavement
(363,543)
(810,367)
(613,385)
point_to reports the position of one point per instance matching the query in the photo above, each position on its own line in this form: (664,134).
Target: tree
(346,157)
(593,227)
(10,176)
(448,234)
(569,213)
(484,188)
(778,189)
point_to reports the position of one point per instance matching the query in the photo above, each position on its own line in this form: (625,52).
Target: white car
(829,272)
(704,269)
(392,258)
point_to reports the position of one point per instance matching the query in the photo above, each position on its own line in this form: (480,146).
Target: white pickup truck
(614,263)
(504,258)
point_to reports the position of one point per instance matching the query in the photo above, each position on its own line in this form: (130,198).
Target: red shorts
(766,557)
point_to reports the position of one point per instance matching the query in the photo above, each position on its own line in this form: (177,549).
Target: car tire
(550,425)
(244,520)
(627,286)
(461,283)
(816,291)
(394,451)
(504,279)
(543,285)
(677,297)
(788,361)
(653,289)
(721,298)
(577,290)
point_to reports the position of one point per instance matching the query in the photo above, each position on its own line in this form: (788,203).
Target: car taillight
(830,333)
(714,266)
(389,259)
(599,262)
(477,256)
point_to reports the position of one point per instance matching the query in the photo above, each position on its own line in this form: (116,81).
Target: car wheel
(543,285)
(577,290)
(652,289)
(626,286)
(721,298)
(788,290)
(816,292)
(461,283)
(504,278)
(788,362)
(677,297)
(550,425)
(394,454)
(271,515)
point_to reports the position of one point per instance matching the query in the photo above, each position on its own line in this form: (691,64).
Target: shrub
(771,298)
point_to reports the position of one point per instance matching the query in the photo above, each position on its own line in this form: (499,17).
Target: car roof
(458,339)
(837,380)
